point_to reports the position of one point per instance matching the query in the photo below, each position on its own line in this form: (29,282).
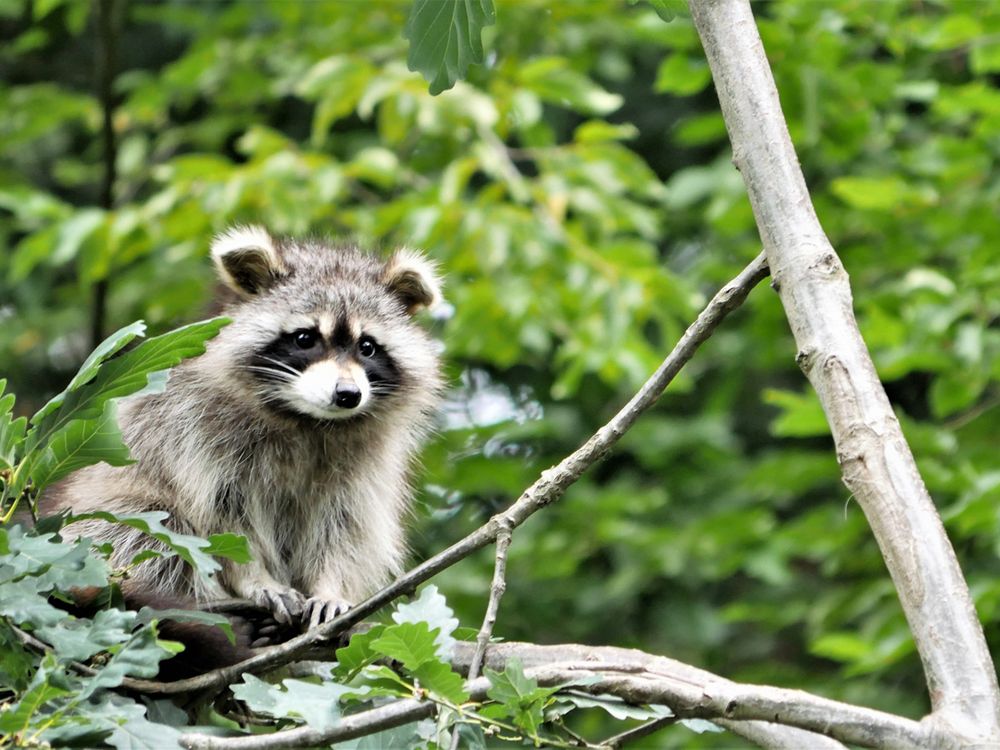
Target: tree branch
(497,589)
(548,488)
(759,712)
(876,461)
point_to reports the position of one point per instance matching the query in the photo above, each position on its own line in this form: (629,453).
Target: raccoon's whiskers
(271,373)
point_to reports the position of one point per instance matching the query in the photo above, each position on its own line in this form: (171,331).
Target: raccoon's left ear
(247,260)
(413,278)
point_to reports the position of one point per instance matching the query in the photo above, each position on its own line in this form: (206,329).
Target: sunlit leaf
(81,443)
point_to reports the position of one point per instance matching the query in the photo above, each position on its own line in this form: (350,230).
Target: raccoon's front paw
(318,610)
(286,604)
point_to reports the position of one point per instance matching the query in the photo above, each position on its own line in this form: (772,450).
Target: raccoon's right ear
(414,279)
(247,260)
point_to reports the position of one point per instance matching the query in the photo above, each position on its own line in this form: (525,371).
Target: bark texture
(875,459)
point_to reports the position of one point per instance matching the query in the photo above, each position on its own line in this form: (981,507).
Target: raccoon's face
(327,333)
(325,369)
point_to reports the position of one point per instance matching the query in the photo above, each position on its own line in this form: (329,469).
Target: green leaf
(668,10)
(112,719)
(233,547)
(801,414)
(405,737)
(140,656)
(19,717)
(123,375)
(600,131)
(80,443)
(47,564)
(358,653)
(17,663)
(432,608)
(682,74)
(131,730)
(615,706)
(520,695)
(883,193)
(700,726)
(439,678)
(317,705)
(192,549)
(411,643)
(148,615)
(446,38)
(554,81)
(380,680)
(953,391)
(82,232)
(843,647)
(336,83)
(509,686)
(107,348)
(23,604)
(11,430)
(78,639)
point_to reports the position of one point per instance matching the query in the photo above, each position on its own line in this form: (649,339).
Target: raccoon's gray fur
(297,427)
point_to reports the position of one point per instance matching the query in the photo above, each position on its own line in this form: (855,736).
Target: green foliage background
(578,191)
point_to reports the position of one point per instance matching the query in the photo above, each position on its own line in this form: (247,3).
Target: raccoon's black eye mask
(293,351)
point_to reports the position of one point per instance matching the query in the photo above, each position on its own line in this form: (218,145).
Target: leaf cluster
(409,659)
(59,667)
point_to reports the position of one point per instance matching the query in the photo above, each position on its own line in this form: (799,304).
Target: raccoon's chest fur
(299,495)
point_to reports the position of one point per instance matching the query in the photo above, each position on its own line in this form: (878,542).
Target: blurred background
(579,194)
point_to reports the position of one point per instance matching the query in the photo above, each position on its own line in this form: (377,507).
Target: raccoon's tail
(206,647)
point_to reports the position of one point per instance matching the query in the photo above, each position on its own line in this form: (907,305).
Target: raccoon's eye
(305,339)
(367,346)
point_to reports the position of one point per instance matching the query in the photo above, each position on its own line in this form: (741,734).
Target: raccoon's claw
(318,610)
(285,604)
(269,632)
(270,628)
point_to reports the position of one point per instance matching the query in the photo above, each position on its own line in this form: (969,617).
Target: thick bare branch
(762,712)
(876,461)
(546,489)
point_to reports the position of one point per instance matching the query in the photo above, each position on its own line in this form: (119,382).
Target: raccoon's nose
(347,395)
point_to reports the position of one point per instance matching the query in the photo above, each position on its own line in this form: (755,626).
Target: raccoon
(297,427)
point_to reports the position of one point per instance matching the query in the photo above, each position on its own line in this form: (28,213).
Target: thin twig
(973,413)
(497,589)
(637,733)
(548,488)
(43,648)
